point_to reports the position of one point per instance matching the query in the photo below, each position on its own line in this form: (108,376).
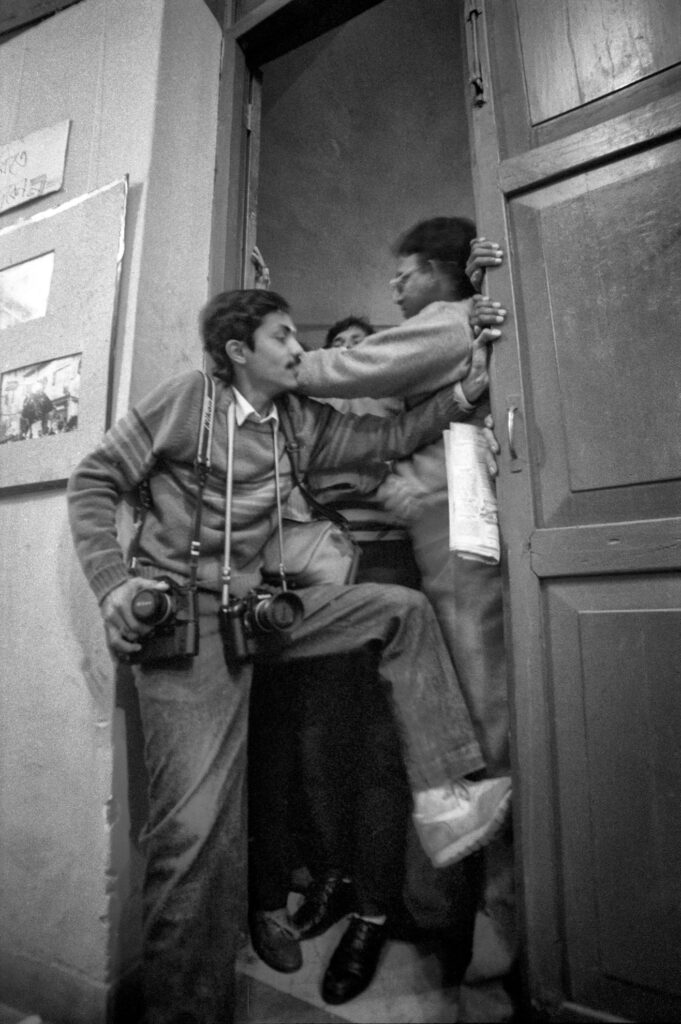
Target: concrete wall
(364,132)
(139,80)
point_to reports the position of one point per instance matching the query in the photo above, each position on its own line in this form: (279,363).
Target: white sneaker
(451,823)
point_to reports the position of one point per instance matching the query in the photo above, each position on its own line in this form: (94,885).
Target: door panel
(599,47)
(602,283)
(576,122)
(617,707)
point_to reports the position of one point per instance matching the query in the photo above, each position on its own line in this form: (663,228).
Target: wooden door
(576,128)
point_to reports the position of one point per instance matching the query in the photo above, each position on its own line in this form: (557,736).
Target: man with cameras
(216,472)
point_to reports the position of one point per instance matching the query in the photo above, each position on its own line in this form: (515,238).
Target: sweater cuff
(107,579)
(461,398)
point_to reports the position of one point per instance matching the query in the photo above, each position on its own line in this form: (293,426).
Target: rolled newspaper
(473,520)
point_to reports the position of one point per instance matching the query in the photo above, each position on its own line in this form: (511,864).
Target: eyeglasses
(398,283)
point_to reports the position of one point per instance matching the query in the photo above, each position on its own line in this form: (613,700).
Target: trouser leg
(338,744)
(272,760)
(194,718)
(330,724)
(467,599)
(382,807)
(438,737)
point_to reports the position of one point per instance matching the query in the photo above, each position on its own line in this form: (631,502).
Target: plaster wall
(139,81)
(364,132)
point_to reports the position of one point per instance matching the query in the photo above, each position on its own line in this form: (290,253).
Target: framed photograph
(59,282)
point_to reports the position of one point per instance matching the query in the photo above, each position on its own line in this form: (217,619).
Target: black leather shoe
(275,941)
(326,901)
(354,963)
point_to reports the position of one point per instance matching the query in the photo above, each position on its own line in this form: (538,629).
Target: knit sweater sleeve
(333,440)
(164,424)
(416,357)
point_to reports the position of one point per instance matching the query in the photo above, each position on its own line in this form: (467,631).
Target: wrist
(468,404)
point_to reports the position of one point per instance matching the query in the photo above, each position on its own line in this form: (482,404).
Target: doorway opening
(363,132)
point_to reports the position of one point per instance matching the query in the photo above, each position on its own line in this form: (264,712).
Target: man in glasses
(432,346)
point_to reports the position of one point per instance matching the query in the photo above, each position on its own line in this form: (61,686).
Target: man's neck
(261,402)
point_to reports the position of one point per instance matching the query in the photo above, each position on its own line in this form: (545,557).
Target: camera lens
(152,606)
(278,612)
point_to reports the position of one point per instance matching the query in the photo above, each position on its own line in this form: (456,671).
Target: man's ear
(234,350)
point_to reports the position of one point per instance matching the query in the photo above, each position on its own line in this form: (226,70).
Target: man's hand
(477,380)
(483,254)
(486,313)
(492,446)
(121,626)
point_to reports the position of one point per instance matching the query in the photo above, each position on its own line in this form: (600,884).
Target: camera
(172,614)
(259,613)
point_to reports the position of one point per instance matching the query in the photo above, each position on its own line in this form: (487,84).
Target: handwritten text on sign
(33,166)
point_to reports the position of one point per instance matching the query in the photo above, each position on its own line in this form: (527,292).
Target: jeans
(467,599)
(326,780)
(327,786)
(194,717)
(355,782)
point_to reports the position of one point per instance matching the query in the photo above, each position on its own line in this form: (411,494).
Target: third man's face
(348,338)
(414,285)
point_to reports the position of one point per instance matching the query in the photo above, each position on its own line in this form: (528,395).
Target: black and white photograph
(40,400)
(340,511)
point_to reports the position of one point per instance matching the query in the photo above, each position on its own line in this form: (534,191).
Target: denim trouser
(326,781)
(467,599)
(194,717)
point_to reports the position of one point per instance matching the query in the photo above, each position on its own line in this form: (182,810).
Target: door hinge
(473,13)
(249,117)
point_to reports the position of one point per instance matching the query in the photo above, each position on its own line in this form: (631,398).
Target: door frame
(534,820)
(272,29)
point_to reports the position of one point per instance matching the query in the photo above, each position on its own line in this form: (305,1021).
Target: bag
(315,552)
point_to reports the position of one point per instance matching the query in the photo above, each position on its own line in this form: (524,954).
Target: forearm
(347,440)
(416,357)
(93,495)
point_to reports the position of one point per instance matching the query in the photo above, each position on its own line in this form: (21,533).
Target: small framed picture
(59,282)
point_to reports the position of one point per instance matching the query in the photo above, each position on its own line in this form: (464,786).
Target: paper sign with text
(33,166)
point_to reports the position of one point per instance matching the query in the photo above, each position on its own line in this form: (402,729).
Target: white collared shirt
(244,409)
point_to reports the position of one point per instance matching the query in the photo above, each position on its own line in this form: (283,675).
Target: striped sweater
(157,440)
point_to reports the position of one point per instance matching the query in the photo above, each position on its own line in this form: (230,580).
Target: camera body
(173,616)
(262,612)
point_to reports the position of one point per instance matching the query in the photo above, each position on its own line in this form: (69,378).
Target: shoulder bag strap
(293,449)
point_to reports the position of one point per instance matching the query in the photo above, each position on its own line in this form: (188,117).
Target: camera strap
(293,449)
(202,467)
(229,487)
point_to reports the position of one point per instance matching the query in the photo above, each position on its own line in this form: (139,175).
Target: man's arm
(122,460)
(95,489)
(342,440)
(416,357)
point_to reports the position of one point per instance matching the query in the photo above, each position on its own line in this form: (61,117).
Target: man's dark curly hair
(236,314)
(446,240)
(343,325)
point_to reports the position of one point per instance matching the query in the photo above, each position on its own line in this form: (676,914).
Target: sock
(373,918)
